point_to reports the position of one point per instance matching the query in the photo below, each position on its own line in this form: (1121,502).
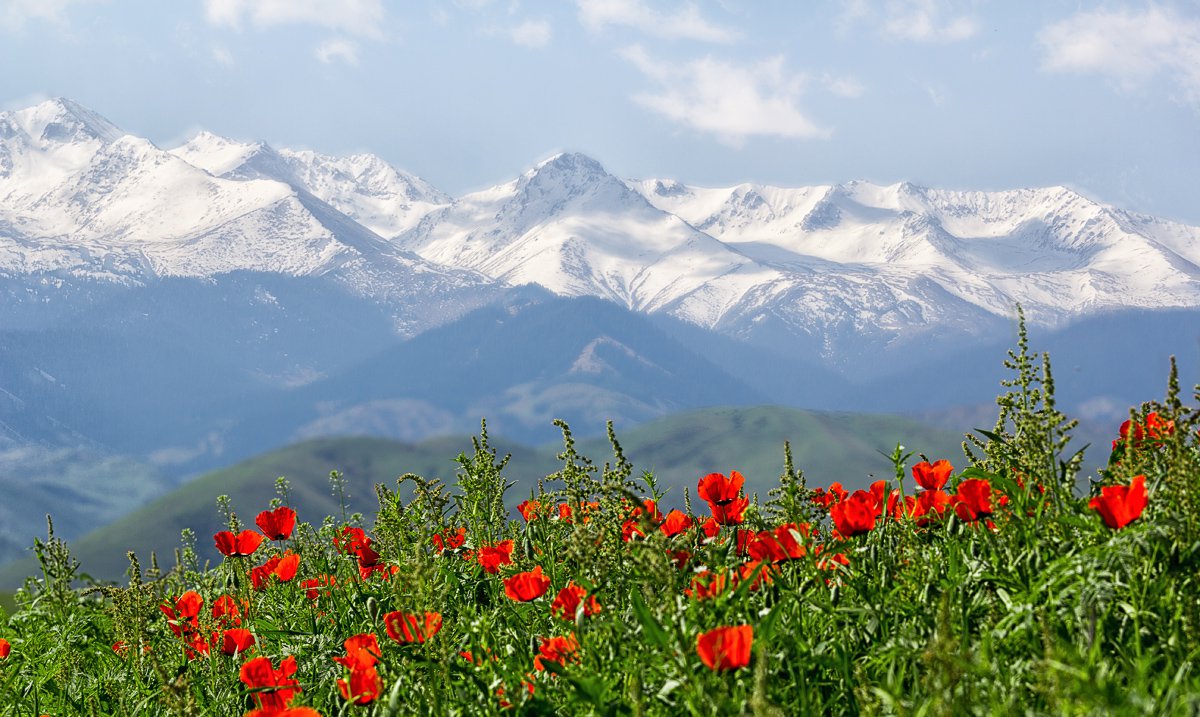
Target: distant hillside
(678,449)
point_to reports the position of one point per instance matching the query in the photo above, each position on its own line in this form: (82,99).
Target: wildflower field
(998,582)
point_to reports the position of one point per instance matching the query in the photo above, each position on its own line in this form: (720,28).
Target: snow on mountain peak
(61,121)
(215,154)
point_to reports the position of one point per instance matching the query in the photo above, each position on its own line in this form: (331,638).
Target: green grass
(678,449)
(1023,596)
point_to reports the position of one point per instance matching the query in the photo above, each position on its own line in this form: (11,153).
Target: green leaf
(654,631)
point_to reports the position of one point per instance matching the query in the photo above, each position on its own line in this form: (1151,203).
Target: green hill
(678,449)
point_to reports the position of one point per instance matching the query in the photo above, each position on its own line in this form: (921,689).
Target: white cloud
(913,20)
(339,50)
(223,56)
(355,17)
(15,13)
(685,21)
(846,86)
(1129,47)
(531,33)
(728,100)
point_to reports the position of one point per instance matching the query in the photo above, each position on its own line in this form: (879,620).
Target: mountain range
(179,309)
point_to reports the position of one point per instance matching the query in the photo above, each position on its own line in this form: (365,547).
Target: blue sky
(973,94)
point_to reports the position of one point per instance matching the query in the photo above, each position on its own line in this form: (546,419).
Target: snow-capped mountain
(839,270)
(386,200)
(1057,253)
(81,199)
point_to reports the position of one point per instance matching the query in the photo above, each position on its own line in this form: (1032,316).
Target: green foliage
(1026,603)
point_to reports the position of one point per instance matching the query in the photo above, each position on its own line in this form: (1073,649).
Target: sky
(1103,97)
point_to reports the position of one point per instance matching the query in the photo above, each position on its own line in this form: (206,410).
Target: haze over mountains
(194,306)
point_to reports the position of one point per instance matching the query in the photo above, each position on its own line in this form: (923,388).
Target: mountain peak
(63,121)
(215,154)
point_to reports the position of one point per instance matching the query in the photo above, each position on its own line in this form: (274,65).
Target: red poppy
(680,558)
(855,515)
(364,684)
(236,641)
(491,557)
(529,509)
(836,494)
(312,585)
(707,585)
(829,562)
(725,648)
(711,528)
(757,572)
(361,650)
(932,477)
(675,523)
(973,500)
(722,493)
(351,540)
(527,586)
(556,649)
(289,712)
(782,543)
(273,688)
(240,545)
(448,540)
(405,627)
(227,612)
(6,648)
(567,604)
(634,521)
(1119,505)
(282,567)
(184,616)
(277,524)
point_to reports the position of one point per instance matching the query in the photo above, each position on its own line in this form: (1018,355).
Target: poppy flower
(835,494)
(855,515)
(491,557)
(725,648)
(364,684)
(529,509)
(1119,505)
(273,688)
(711,528)
(240,545)
(527,586)
(289,712)
(556,649)
(707,585)
(351,540)
(6,649)
(973,500)
(722,493)
(932,476)
(634,522)
(282,567)
(277,524)
(405,627)
(184,616)
(227,612)
(757,572)
(778,545)
(447,540)
(312,585)
(675,523)
(236,641)
(361,650)
(567,603)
